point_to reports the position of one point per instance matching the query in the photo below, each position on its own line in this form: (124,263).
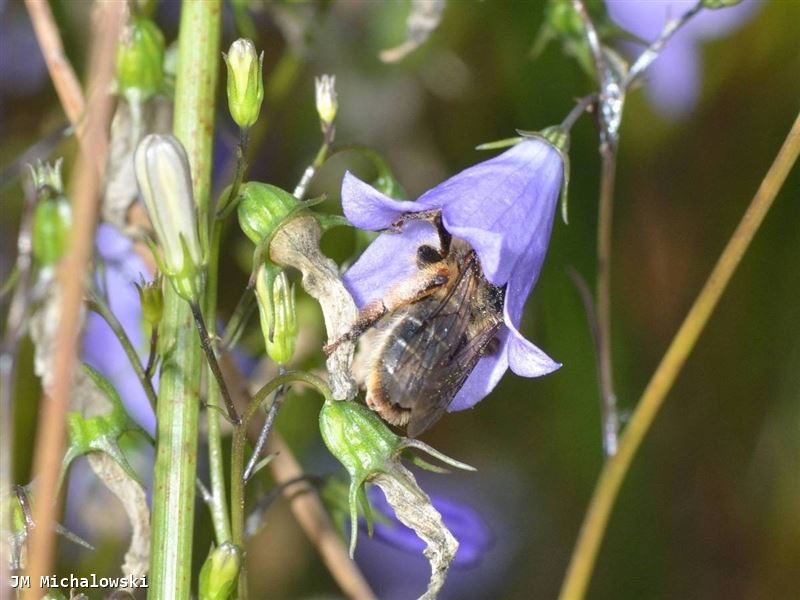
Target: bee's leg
(404,293)
(434,215)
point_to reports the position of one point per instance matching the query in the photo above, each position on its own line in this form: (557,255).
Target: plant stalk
(178,406)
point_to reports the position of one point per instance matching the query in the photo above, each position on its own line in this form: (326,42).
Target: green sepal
(100,433)
(499,144)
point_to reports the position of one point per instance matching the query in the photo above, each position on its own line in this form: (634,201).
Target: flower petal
(484,377)
(389,259)
(500,204)
(367,208)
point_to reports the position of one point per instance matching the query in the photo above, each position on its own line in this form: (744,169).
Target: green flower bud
(165,183)
(220,572)
(276,309)
(52,217)
(263,208)
(714,4)
(245,85)
(140,59)
(366,447)
(151,298)
(327,103)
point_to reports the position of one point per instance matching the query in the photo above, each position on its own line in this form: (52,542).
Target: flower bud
(276,309)
(151,299)
(140,59)
(327,103)
(263,208)
(245,86)
(220,572)
(52,218)
(366,447)
(162,171)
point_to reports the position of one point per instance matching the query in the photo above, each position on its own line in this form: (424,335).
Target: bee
(431,330)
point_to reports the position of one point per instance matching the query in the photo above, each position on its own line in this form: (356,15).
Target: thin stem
(151,355)
(51,430)
(101,308)
(610,417)
(228,201)
(646,58)
(178,407)
(245,308)
(211,359)
(615,470)
(219,500)
(580,107)
(237,454)
(327,141)
(274,407)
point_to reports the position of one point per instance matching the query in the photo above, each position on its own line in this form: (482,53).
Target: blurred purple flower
(100,348)
(504,209)
(674,79)
(466,525)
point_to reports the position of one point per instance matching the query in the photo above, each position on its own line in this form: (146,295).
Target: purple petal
(100,347)
(483,379)
(389,259)
(674,79)
(499,204)
(466,525)
(367,208)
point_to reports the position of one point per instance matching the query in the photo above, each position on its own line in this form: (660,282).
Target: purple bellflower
(674,79)
(100,347)
(466,525)
(504,208)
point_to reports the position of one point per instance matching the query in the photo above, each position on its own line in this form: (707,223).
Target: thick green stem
(178,406)
(616,468)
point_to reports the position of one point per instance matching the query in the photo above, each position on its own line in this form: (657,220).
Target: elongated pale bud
(327,102)
(165,183)
(245,84)
(218,576)
(276,309)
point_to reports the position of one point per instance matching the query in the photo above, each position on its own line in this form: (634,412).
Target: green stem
(614,472)
(178,406)
(219,500)
(237,453)
(102,309)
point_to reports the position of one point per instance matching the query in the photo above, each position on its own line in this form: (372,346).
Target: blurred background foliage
(712,506)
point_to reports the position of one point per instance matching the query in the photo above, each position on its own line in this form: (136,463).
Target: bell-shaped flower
(504,208)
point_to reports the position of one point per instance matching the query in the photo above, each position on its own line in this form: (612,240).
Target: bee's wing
(441,353)
(446,380)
